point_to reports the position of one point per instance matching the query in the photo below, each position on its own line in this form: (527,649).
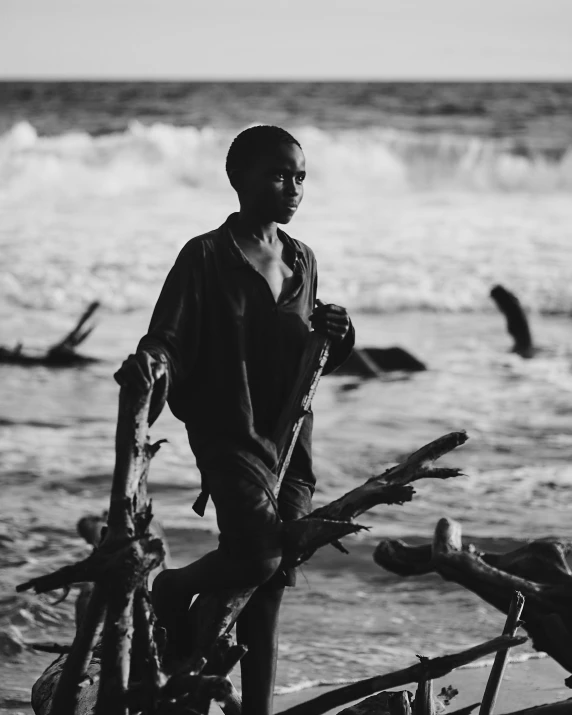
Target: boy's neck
(255,229)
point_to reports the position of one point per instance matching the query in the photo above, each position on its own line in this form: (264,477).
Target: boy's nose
(293,188)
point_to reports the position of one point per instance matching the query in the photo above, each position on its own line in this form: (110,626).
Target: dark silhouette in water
(372,362)
(62,354)
(516,321)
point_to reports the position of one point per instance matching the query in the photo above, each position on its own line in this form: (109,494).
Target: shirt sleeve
(175,323)
(340,352)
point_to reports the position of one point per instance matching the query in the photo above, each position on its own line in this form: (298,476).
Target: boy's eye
(300,178)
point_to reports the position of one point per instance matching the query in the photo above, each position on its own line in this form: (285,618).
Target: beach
(420,197)
(329,641)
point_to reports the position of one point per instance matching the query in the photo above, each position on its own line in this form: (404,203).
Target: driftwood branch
(538,570)
(119,567)
(61,354)
(68,687)
(382,704)
(516,320)
(499,665)
(564,707)
(218,612)
(423,703)
(59,648)
(120,564)
(427,670)
(300,401)
(392,487)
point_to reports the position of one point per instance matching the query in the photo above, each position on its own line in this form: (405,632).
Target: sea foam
(162,154)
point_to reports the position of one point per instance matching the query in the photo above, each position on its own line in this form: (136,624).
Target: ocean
(419,198)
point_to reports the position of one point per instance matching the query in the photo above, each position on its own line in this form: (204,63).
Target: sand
(532,682)
(525,684)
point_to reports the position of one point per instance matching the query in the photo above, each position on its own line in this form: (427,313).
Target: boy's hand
(140,371)
(331,320)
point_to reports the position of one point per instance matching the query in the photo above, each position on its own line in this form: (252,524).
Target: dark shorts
(249,517)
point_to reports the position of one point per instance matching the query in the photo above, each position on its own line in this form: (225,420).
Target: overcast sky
(286,39)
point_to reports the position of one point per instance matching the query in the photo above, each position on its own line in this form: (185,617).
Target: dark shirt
(233,352)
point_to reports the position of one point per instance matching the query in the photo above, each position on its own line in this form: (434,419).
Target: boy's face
(272,188)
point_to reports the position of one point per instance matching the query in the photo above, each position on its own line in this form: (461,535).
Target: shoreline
(525,684)
(321,639)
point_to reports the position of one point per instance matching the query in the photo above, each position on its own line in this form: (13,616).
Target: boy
(229,330)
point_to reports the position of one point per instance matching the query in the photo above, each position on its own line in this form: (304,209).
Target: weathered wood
(564,707)
(499,665)
(62,353)
(218,612)
(430,669)
(59,648)
(423,703)
(516,320)
(382,704)
(299,403)
(392,486)
(67,692)
(147,665)
(43,688)
(119,567)
(538,570)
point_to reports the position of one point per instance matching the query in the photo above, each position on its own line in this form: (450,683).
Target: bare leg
(257,628)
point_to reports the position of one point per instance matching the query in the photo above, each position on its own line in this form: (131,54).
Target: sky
(286,39)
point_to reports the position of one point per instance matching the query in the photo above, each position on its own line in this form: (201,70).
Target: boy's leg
(257,629)
(257,625)
(248,555)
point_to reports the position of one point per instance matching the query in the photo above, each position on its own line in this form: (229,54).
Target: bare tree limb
(499,665)
(538,570)
(382,704)
(429,669)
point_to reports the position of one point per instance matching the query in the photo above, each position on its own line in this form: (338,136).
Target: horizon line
(292,80)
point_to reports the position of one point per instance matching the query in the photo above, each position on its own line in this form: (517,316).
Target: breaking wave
(162,154)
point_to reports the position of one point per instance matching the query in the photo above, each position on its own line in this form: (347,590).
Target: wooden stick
(59,648)
(218,612)
(127,491)
(144,619)
(66,695)
(431,669)
(76,336)
(423,704)
(131,439)
(538,570)
(516,320)
(119,567)
(391,487)
(116,654)
(382,704)
(292,417)
(564,707)
(499,665)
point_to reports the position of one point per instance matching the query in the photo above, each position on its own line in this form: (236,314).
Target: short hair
(253,143)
